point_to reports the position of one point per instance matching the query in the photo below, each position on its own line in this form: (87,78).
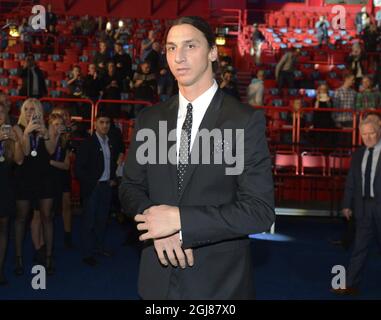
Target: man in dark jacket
(96,171)
(123,62)
(362,201)
(33,81)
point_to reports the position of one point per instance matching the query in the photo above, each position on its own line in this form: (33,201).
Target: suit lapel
(359,167)
(209,123)
(171,117)
(377,167)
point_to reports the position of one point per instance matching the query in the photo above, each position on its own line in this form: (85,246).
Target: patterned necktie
(184,152)
(368,171)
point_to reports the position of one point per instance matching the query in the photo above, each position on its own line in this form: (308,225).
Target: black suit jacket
(27,82)
(89,164)
(217,211)
(353,188)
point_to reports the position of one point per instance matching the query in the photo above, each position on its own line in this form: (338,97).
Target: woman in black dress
(10,151)
(34,184)
(322,119)
(60,165)
(66,174)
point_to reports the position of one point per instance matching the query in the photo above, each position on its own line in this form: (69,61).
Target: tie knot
(371,149)
(189,107)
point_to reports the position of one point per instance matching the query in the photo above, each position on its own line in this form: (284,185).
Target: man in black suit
(33,80)
(96,169)
(362,199)
(196,216)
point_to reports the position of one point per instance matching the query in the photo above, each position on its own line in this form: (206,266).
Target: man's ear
(213,54)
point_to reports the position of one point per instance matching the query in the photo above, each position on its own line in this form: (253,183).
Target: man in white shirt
(362,200)
(96,170)
(196,217)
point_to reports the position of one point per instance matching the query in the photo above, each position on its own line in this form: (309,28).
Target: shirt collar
(102,140)
(202,101)
(378,145)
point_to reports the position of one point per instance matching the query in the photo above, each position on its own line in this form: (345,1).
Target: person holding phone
(322,119)
(34,183)
(65,174)
(10,152)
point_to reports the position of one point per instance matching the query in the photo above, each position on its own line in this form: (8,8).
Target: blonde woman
(61,164)
(323,119)
(10,152)
(34,183)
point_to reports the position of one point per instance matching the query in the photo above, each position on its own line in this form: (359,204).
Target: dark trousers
(95,214)
(368,225)
(286,79)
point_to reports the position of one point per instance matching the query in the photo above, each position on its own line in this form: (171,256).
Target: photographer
(33,80)
(60,120)
(34,183)
(75,82)
(10,152)
(92,85)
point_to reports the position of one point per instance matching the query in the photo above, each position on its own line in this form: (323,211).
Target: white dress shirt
(376,155)
(200,105)
(106,157)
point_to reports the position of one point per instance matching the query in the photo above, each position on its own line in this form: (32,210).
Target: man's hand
(159,221)
(31,127)
(113,183)
(138,83)
(176,255)
(347,213)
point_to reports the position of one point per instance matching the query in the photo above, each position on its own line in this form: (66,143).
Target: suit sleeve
(82,160)
(350,186)
(253,210)
(133,190)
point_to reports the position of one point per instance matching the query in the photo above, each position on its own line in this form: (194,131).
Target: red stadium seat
(11,64)
(272,20)
(84,67)
(304,22)
(47,66)
(56,75)
(338,164)
(286,161)
(63,66)
(281,22)
(314,162)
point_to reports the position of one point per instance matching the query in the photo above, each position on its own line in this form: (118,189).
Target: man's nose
(180,55)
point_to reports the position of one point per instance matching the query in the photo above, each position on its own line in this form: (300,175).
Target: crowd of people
(35,171)
(359,92)
(36,153)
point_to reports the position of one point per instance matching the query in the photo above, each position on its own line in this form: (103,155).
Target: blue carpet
(295,263)
(299,267)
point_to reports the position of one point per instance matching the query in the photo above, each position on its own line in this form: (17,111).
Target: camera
(6,129)
(36,119)
(67,130)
